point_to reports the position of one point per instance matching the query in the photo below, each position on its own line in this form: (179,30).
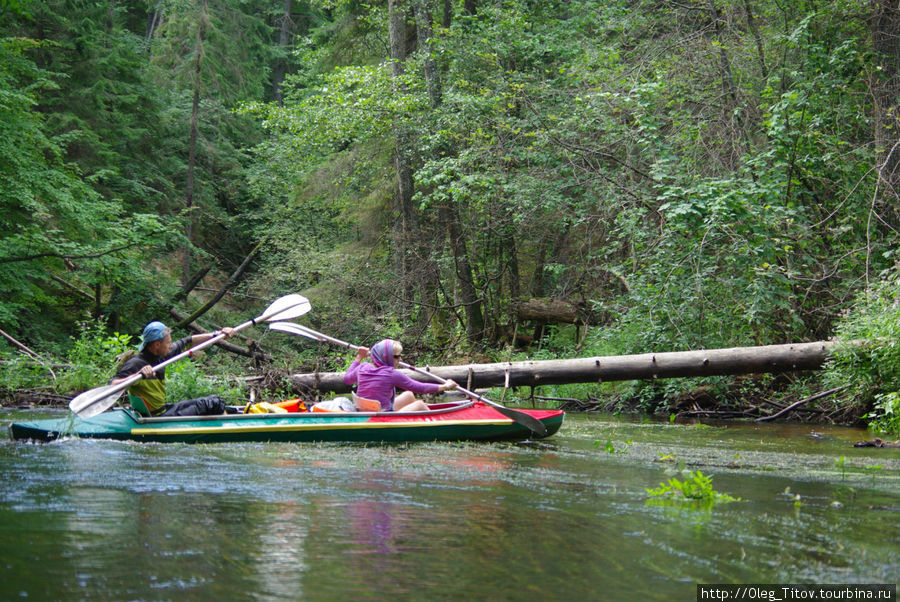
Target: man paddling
(150,391)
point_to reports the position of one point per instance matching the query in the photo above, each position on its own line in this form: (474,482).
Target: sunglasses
(398,356)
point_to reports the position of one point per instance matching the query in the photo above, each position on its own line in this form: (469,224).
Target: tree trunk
(537,279)
(886,91)
(512,267)
(450,213)
(284,43)
(470,299)
(751,25)
(192,150)
(190,285)
(424,21)
(232,280)
(448,14)
(429,273)
(153,21)
(674,364)
(729,89)
(405,228)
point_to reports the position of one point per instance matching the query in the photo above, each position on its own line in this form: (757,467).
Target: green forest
(676,174)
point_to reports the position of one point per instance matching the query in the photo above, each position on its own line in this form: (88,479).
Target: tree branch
(21,347)
(190,285)
(72,287)
(801,402)
(64,256)
(232,280)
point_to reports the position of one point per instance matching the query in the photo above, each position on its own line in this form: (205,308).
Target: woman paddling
(377,381)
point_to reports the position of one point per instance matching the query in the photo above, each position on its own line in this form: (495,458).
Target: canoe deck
(443,422)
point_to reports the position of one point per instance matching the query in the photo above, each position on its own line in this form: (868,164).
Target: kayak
(454,421)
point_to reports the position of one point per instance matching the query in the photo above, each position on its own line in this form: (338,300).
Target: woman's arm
(351,376)
(399,379)
(352,373)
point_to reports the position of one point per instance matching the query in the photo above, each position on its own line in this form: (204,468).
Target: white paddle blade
(287,308)
(93,402)
(294,329)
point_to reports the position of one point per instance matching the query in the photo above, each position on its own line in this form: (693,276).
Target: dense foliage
(869,361)
(687,174)
(698,178)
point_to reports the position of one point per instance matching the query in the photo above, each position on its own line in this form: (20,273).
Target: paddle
(530,422)
(92,402)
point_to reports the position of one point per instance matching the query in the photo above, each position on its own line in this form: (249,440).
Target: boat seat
(366,405)
(139,405)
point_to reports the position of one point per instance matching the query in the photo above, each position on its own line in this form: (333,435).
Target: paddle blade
(287,308)
(293,329)
(527,420)
(90,403)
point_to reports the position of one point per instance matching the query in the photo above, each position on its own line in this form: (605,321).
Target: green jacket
(152,392)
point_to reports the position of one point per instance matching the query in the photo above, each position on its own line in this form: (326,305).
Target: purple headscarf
(382,353)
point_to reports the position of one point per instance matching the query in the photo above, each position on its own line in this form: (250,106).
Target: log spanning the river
(672,364)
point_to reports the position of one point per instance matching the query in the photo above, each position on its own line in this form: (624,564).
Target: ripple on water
(562,518)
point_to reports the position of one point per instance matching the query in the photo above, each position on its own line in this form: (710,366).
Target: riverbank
(30,398)
(706,402)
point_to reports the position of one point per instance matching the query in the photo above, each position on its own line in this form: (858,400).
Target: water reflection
(282,551)
(558,519)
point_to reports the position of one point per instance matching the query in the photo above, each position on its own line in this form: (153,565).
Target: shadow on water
(561,518)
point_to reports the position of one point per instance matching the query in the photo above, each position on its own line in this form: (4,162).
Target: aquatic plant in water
(611,449)
(696,487)
(873,470)
(841,464)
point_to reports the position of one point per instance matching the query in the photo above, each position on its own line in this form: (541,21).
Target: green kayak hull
(444,422)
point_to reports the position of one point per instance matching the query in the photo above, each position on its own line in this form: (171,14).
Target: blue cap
(153,331)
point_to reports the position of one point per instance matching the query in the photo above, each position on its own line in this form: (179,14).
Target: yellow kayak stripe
(190,430)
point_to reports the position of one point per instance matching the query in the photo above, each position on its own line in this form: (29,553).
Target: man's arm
(202,338)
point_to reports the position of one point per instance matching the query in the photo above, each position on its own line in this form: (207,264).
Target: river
(566,518)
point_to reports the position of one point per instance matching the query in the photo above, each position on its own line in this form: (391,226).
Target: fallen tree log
(672,364)
(550,310)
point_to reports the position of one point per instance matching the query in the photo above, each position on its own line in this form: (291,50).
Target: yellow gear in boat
(264,407)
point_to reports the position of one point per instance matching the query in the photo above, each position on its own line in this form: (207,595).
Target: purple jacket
(379,380)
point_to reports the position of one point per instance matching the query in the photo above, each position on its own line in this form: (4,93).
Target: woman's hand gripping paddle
(530,422)
(90,403)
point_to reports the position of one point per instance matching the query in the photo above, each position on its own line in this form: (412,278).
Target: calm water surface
(561,519)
